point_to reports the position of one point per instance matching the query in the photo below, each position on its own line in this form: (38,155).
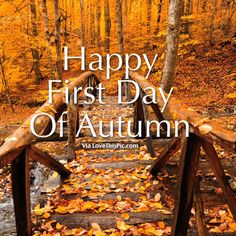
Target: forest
(34,34)
(118,117)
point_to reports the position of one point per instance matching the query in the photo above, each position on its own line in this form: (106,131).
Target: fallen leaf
(122,226)
(125,216)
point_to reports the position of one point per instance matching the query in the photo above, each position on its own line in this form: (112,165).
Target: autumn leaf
(157,197)
(125,216)
(119,198)
(61,209)
(122,226)
(59,226)
(46,215)
(38,211)
(95,227)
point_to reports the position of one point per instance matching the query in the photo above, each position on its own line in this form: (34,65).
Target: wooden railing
(203,133)
(18,149)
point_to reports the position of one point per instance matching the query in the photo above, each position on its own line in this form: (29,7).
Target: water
(39,174)
(41,181)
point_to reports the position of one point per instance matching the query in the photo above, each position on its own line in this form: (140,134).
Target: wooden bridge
(18,149)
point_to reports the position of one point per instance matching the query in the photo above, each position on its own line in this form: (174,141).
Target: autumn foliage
(33,34)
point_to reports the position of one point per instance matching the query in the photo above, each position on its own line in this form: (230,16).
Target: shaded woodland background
(33,33)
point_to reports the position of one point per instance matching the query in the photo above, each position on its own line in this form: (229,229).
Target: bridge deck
(113,187)
(107,183)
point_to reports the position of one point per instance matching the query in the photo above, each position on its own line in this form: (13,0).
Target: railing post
(90,84)
(72,125)
(219,172)
(199,211)
(21,193)
(139,116)
(127,91)
(149,140)
(95,82)
(186,183)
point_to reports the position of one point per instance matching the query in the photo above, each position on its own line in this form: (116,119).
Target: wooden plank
(21,193)
(108,220)
(199,211)
(164,157)
(119,164)
(45,159)
(113,195)
(186,183)
(218,170)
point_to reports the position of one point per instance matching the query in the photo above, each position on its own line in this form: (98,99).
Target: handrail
(23,136)
(204,133)
(207,129)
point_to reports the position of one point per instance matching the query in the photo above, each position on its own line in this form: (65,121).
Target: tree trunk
(57,40)
(204,4)
(107,25)
(4,81)
(82,26)
(212,19)
(120,26)
(159,9)
(35,53)
(125,13)
(72,6)
(188,12)
(98,19)
(231,8)
(182,8)
(92,25)
(47,35)
(159,12)
(172,41)
(149,14)
(45,18)
(65,23)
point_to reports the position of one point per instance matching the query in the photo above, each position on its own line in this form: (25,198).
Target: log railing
(204,133)
(18,149)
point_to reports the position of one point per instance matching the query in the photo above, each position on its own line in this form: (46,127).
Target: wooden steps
(102,160)
(108,220)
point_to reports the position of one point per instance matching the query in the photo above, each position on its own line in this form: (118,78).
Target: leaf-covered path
(110,189)
(111,192)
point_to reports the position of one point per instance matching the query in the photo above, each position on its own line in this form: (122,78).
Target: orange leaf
(125,216)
